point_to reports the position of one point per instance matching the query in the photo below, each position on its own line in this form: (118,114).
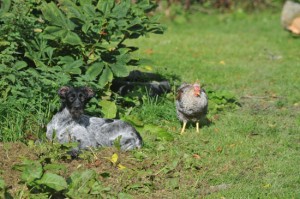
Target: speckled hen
(191,104)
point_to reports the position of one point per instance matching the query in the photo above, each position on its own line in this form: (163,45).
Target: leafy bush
(43,182)
(47,44)
(48,177)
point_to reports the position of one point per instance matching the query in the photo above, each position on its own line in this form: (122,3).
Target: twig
(94,154)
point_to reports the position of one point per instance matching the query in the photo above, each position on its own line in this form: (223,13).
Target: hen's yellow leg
(183,128)
(197,127)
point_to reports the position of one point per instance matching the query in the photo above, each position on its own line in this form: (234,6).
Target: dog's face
(75,99)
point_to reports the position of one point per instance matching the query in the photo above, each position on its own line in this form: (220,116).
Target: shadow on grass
(156,84)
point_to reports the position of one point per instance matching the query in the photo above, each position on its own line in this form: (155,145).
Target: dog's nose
(76,107)
(77,104)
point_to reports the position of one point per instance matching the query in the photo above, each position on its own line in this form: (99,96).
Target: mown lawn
(249,152)
(255,149)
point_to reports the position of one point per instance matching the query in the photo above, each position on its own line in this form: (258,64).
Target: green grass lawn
(253,151)
(248,152)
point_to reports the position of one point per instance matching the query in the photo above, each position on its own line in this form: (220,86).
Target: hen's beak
(197,93)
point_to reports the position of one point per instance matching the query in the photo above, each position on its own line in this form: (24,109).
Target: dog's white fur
(92,131)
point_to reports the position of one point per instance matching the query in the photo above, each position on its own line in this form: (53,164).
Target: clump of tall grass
(20,121)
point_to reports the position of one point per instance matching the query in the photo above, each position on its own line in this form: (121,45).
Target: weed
(41,182)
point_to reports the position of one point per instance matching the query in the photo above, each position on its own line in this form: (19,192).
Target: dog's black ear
(89,92)
(62,92)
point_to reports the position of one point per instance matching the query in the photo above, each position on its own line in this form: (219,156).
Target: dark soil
(14,153)
(11,154)
(147,177)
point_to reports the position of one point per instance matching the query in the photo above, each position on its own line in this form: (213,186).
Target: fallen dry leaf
(216,130)
(222,62)
(97,163)
(149,51)
(121,167)
(196,156)
(219,149)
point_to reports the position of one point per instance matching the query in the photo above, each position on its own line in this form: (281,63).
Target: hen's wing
(180,90)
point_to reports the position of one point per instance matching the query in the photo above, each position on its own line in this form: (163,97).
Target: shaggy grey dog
(71,125)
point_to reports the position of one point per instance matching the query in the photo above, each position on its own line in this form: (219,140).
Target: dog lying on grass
(71,125)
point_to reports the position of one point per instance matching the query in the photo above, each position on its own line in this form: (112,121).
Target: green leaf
(4,7)
(121,9)
(80,182)
(146,5)
(73,67)
(227,95)
(49,51)
(109,45)
(11,77)
(54,32)
(136,28)
(136,22)
(20,65)
(117,143)
(85,2)
(105,77)
(97,188)
(124,57)
(2,184)
(133,120)
(105,6)
(164,135)
(89,10)
(122,23)
(94,70)
(3,68)
(71,10)
(53,181)
(161,133)
(86,27)
(119,69)
(52,13)
(66,36)
(65,60)
(80,178)
(72,39)
(109,109)
(2,188)
(55,167)
(32,171)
